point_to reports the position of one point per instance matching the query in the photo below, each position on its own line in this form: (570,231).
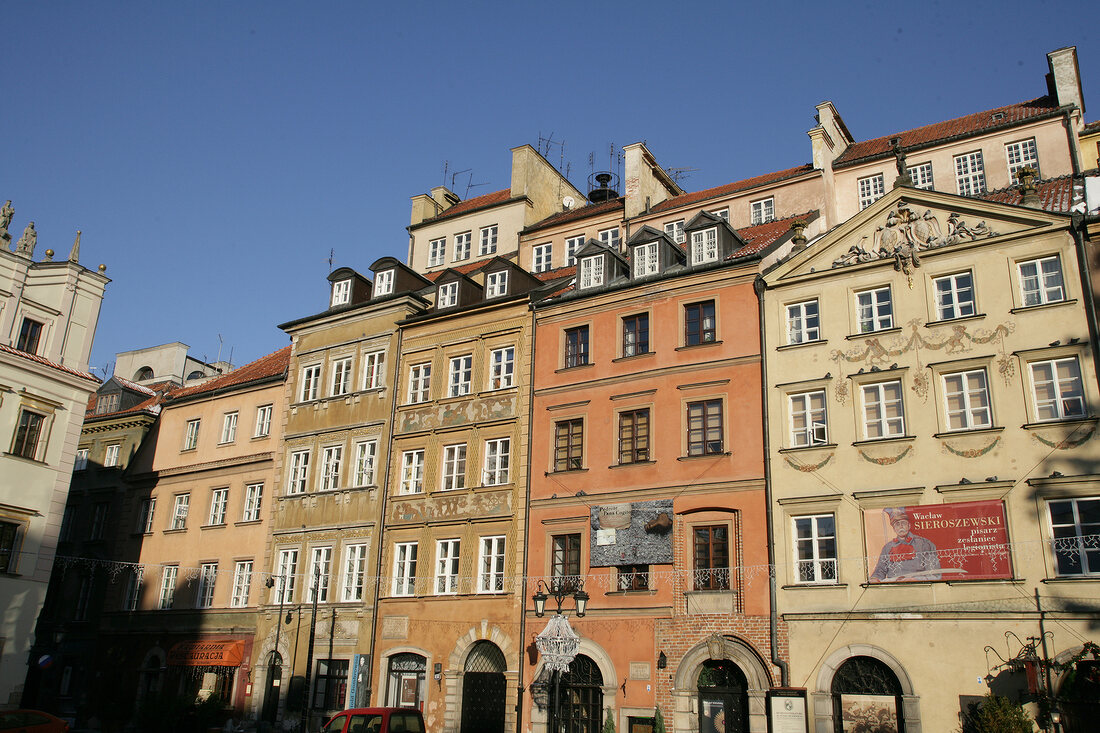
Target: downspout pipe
(1077,230)
(526,524)
(773,615)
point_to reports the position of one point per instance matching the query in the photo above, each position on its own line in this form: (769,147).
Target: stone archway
(455,671)
(821,711)
(685,691)
(540,717)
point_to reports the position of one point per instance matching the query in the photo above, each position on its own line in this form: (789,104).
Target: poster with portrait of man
(937,542)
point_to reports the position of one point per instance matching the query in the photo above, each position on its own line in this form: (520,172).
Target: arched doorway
(405,681)
(866,696)
(579,708)
(483,684)
(271,689)
(723,698)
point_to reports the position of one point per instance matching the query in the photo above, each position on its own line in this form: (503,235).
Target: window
(28,434)
(242,582)
(145,515)
(704,429)
(803,322)
(704,246)
(610,238)
(191,437)
(253,501)
(675,230)
(179,511)
(133,592)
(634,436)
(488,240)
(454,467)
(299,472)
(331,458)
(311,382)
(383,283)
(341,377)
(723,214)
(496,284)
(699,325)
(218,499)
(572,244)
(107,403)
(502,364)
(491,576)
(576,346)
(632,577)
(763,210)
(1020,154)
(263,421)
(66,533)
(287,574)
(1074,525)
(591,271)
(99,521)
(412,472)
(437,251)
(1041,281)
(966,395)
(229,427)
(712,553)
(208,575)
(355,572)
(808,419)
(565,561)
(341,292)
(168,586)
(954,296)
(366,452)
(874,310)
(970,174)
(496,461)
(458,381)
(29,335)
(83,597)
(420,382)
(373,364)
(404,569)
(542,258)
(871,189)
(636,334)
(448,295)
(331,688)
(80,463)
(8,533)
(883,411)
(446,567)
(320,565)
(110,455)
(645,259)
(815,548)
(462,247)
(921,176)
(569,445)
(1058,391)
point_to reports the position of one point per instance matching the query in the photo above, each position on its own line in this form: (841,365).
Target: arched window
(581,698)
(143,373)
(405,687)
(723,698)
(483,689)
(866,696)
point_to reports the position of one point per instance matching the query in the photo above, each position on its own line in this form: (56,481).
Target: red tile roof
(564,217)
(272,365)
(464,269)
(477,202)
(134,386)
(1091,127)
(965,126)
(725,190)
(1055,194)
(761,236)
(47,362)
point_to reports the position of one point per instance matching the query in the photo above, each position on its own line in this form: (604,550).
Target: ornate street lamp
(559,589)
(558,643)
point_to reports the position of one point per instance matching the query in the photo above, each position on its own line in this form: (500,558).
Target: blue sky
(213,154)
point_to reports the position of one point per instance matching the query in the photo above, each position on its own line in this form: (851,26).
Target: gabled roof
(725,190)
(1055,194)
(272,365)
(46,362)
(133,386)
(583,212)
(761,236)
(463,269)
(464,207)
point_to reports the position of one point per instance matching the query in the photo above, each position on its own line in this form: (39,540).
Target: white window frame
(404,569)
(242,583)
(447,558)
(874,397)
(454,467)
(180,508)
(1041,281)
(133,591)
(502,366)
(191,434)
(460,375)
(723,213)
(80,463)
(970,173)
(229,427)
(496,284)
(366,456)
(818,562)
(542,257)
(219,502)
(488,240)
(645,259)
(808,421)
(263,421)
(437,252)
(412,472)
(341,292)
(675,231)
(462,247)
(286,576)
(490,576)
(970,389)
(383,283)
(208,578)
(447,295)
(311,383)
(1019,154)
(331,458)
(497,467)
(374,369)
(763,210)
(298,475)
(167,596)
(110,455)
(921,176)
(871,189)
(704,246)
(803,326)
(355,573)
(1076,542)
(609,237)
(591,271)
(874,310)
(341,376)
(1068,399)
(146,514)
(572,246)
(950,291)
(253,502)
(420,382)
(320,559)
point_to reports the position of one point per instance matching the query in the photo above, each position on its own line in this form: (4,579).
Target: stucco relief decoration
(886,460)
(466,505)
(808,467)
(430,418)
(1069,442)
(971,452)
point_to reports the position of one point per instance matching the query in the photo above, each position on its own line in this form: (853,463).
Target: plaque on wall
(631,534)
(787,711)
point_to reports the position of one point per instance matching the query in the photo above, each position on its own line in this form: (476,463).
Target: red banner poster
(936,542)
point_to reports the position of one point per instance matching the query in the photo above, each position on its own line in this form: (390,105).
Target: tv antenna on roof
(679,174)
(331,258)
(456,174)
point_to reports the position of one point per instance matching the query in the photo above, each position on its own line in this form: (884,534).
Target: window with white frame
(572,245)
(803,322)
(488,241)
(970,173)
(723,214)
(80,463)
(106,403)
(874,310)
(253,502)
(229,427)
(412,472)
(404,569)
(921,176)
(263,421)
(331,458)
(242,583)
(542,257)
(610,238)
(179,511)
(437,251)
(341,376)
(763,210)
(168,586)
(110,455)
(591,271)
(1019,154)
(320,566)
(448,295)
(133,592)
(374,369)
(871,189)
(219,499)
(208,576)
(502,363)
(366,453)
(459,376)
(496,284)
(446,566)
(462,247)
(815,548)
(420,382)
(635,334)
(286,572)
(645,259)
(454,467)
(497,456)
(1057,389)
(966,400)
(383,283)
(341,292)
(146,513)
(883,410)
(1041,281)
(311,382)
(807,415)
(1075,535)
(491,564)
(954,296)
(355,572)
(298,475)
(191,436)
(675,231)
(704,246)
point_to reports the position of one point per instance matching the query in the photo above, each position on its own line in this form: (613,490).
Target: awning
(227,653)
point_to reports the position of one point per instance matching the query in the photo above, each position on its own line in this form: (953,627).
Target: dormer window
(383,283)
(592,271)
(341,292)
(448,295)
(645,259)
(106,403)
(704,246)
(496,284)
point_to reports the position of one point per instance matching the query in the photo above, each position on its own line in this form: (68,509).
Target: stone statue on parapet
(26,243)
(6,214)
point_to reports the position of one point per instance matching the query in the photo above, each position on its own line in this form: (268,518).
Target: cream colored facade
(857,451)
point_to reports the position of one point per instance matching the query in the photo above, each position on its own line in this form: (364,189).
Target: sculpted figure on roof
(26,243)
(6,214)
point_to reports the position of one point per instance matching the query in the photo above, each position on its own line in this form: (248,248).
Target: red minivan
(376,720)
